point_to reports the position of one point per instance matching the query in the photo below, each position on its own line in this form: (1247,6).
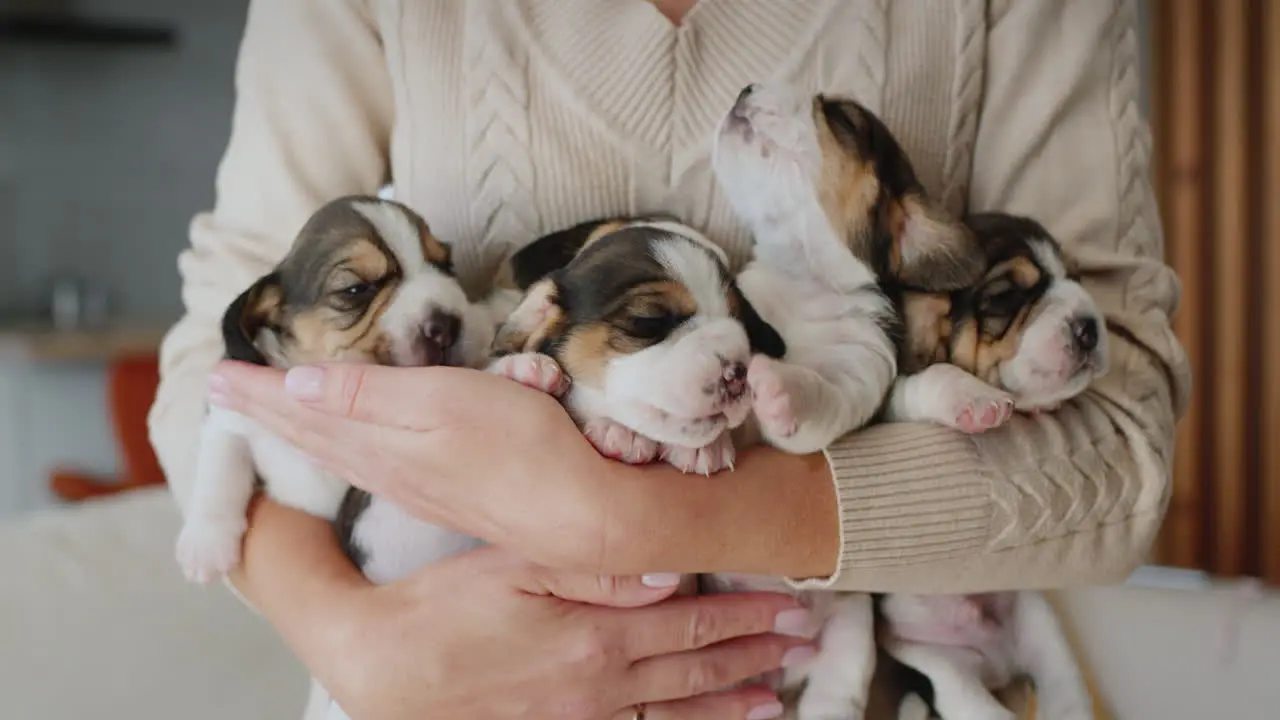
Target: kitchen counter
(41,342)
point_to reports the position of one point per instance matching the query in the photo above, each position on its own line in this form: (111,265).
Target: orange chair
(131,388)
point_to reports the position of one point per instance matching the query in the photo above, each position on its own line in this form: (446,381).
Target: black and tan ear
(549,253)
(252,318)
(532,322)
(762,336)
(932,250)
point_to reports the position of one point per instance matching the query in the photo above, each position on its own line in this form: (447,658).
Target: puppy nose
(1085,332)
(746,92)
(735,378)
(442,329)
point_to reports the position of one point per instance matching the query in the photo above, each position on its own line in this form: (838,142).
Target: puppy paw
(708,459)
(534,370)
(769,398)
(978,407)
(208,548)
(618,442)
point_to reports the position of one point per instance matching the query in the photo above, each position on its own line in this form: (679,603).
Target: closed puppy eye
(354,295)
(1003,297)
(655,324)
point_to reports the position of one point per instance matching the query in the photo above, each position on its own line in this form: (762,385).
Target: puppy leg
(839,678)
(209,544)
(619,442)
(950,396)
(801,411)
(956,676)
(710,458)
(535,370)
(1045,654)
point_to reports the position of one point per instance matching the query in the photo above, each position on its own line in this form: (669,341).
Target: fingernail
(220,400)
(767,711)
(661,580)
(796,623)
(304,381)
(797,655)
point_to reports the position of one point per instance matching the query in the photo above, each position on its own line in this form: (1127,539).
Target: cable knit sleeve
(312,122)
(1076,497)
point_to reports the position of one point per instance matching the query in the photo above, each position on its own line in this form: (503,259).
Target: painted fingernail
(767,711)
(304,382)
(660,580)
(796,623)
(797,655)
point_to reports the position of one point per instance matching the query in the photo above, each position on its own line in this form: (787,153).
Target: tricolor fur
(364,281)
(1027,336)
(840,220)
(650,327)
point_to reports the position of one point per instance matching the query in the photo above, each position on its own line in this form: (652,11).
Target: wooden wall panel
(1269,294)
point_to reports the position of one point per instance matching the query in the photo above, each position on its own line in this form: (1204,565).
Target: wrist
(775,514)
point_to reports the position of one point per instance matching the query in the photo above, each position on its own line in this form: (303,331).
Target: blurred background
(113,114)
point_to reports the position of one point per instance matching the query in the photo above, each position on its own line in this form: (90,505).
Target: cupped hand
(488,635)
(466,449)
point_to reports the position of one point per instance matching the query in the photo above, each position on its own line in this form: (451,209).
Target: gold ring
(639,711)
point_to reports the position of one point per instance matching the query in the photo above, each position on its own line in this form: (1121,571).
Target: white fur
(234,451)
(839,363)
(966,656)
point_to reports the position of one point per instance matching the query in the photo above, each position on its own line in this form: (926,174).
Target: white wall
(105,154)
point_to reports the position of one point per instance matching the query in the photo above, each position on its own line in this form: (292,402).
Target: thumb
(621,591)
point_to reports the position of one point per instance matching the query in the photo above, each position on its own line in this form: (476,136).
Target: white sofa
(95,622)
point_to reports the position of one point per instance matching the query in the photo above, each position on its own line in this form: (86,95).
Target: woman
(500,121)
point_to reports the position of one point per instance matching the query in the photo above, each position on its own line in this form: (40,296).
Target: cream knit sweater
(503,119)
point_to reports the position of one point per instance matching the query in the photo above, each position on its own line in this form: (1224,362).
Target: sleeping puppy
(364,281)
(1026,336)
(653,333)
(838,216)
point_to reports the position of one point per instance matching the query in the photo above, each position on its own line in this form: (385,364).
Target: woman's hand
(489,457)
(465,449)
(488,635)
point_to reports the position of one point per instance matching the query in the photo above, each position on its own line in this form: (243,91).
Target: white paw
(619,442)
(769,399)
(534,370)
(976,407)
(708,459)
(208,548)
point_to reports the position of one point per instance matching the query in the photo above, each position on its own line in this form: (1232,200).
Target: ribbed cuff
(908,493)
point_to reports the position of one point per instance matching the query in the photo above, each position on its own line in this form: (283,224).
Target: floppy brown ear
(932,250)
(531,323)
(255,311)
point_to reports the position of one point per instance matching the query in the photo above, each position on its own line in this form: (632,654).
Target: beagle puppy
(364,281)
(1026,336)
(647,322)
(840,221)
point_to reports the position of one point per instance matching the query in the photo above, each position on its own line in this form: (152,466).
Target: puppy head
(1028,326)
(365,281)
(651,327)
(805,163)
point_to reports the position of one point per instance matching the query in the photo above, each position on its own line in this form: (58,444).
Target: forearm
(293,571)
(775,514)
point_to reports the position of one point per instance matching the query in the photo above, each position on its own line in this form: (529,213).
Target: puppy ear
(762,336)
(932,251)
(549,253)
(531,323)
(258,309)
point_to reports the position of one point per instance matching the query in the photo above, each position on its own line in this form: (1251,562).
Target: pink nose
(735,379)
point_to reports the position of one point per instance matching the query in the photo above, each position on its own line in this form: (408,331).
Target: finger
(695,622)
(694,673)
(621,591)
(755,703)
(375,394)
